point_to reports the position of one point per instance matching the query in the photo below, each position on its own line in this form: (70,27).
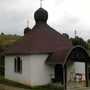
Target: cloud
(64,15)
(13,16)
(66,24)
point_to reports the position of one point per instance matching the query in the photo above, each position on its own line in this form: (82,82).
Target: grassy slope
(6,40)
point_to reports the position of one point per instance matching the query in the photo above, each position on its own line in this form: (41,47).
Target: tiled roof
(41,39)
(58,57)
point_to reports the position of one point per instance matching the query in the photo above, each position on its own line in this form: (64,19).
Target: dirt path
(5,87)
(86,88)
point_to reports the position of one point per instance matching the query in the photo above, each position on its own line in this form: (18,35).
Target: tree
(79,41)
(88,43)
(66,35)
(2,33)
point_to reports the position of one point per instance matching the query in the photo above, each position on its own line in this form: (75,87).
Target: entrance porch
(77,68)
(71,68)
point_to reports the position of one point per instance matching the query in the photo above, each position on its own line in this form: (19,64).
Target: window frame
(18,64)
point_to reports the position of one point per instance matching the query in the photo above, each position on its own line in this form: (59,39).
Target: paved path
(5,87)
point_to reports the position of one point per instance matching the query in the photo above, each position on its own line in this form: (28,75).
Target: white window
(18,65)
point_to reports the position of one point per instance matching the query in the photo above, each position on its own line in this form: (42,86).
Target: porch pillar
(86,73)
(65,77)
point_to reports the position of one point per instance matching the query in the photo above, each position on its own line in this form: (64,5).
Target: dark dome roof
(41,15)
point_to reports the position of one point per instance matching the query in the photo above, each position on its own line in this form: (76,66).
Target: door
(59,73)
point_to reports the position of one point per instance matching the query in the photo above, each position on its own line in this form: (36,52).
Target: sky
(65,16)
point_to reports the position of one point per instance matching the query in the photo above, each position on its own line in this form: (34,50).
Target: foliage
(88,43)
(66,35)
(79,41)
(6,40)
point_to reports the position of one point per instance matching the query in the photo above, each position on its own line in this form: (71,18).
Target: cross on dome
(28,22)
(41,3)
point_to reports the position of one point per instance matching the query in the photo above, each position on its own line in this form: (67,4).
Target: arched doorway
(77,67)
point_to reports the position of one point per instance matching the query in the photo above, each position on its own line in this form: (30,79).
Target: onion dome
(41,15)
(26,30)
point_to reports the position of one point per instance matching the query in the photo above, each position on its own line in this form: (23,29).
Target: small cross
(28,22)
(41,3)
(75,33)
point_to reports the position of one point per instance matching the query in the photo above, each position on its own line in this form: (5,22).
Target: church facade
(44,56)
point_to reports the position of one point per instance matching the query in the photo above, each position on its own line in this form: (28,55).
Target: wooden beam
(65,76)
(86,74)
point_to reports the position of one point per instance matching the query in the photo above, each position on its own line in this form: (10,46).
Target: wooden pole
(64,77)
(86,73)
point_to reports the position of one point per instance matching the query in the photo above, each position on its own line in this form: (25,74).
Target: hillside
(6,40)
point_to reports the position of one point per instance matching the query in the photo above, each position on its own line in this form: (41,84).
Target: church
(44,56)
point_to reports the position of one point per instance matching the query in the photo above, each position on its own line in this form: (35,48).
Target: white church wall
(34,70)
(23,77)
(80,67)
(76,75)
(74,69)
(70,72)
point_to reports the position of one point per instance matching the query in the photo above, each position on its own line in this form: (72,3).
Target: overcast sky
(64,15)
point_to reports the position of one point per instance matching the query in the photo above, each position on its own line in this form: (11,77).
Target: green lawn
(11,83)
(1,77)
(48,87)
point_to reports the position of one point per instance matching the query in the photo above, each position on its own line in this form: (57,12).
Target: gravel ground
(5,87)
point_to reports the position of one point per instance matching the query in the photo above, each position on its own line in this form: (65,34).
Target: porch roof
(76,53)
(58,57)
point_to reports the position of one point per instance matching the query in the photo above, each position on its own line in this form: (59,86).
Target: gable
(78,53)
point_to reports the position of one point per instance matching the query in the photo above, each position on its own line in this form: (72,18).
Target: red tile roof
(41,39)
(58,57)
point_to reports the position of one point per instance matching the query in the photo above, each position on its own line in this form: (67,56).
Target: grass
(12,83)
(15,84)
(47,87)
(1,77)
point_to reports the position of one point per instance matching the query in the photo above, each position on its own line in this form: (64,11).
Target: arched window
(18,64)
